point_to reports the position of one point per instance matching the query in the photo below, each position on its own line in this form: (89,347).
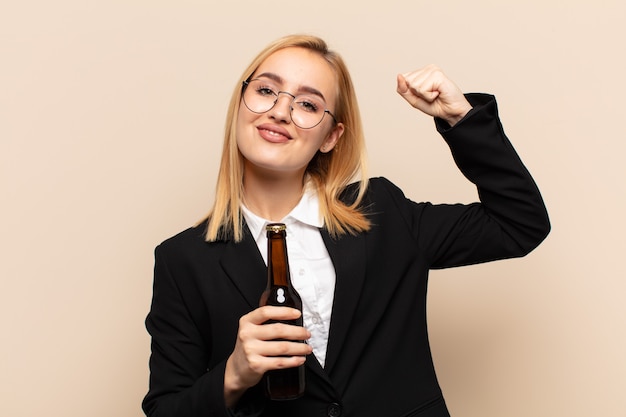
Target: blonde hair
(330,172)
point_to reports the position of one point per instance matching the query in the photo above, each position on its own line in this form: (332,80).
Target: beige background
(111,116)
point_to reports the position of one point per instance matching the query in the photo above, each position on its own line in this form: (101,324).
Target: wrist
(454,119)
(233,386)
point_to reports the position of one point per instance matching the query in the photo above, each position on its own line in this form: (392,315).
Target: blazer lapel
(245,267)
(348,256)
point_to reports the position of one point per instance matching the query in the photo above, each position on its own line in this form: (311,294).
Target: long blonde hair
(330,172)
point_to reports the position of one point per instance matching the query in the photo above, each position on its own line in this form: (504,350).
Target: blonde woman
(360,251)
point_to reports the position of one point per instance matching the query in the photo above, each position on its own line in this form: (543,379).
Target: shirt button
(333,410)
(301,271)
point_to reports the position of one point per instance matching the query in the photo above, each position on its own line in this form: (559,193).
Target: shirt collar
(307,211)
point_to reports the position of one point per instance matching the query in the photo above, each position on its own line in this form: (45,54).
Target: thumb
(403,85)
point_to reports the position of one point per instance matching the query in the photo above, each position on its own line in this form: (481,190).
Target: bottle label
(280,295)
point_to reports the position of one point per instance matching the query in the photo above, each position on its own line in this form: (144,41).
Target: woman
(293,144)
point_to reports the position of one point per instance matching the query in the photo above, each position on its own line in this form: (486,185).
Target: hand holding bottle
(262,347)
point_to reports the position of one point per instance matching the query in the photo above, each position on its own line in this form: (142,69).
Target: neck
(272,197)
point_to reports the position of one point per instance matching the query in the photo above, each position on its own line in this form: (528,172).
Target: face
(270,142)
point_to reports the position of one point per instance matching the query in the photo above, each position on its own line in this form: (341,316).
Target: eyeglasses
(307,110)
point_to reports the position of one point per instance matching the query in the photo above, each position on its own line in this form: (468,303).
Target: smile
(273,133)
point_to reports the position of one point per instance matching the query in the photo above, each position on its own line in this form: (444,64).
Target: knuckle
(282,363)
(244,333)
(248,351)
(283,348)
(255,365)
(264,313)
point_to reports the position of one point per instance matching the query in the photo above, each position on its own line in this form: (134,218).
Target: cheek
(244,127)
(317,138)
(241,119)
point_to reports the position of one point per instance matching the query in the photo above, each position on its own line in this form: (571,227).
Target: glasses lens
(259,96)
(307,111)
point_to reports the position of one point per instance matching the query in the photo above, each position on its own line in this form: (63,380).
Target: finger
(259,365)
(420,76)
(436,80)
(261,356)
(426,86)
(427,95)
(274,348)
(266,313)
(418,88)
(282,331)
(250,359)
(281,362)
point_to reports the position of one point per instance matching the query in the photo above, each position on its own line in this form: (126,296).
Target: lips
(273,133)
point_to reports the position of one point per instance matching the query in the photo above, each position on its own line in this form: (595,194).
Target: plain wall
(111,119)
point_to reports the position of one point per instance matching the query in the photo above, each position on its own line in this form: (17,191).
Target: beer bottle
(281,384)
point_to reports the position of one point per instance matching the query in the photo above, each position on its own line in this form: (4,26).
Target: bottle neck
(277,262)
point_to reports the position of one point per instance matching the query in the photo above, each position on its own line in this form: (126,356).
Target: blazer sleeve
(511,218)
(180,383)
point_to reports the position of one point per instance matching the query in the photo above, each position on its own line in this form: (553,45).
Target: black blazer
(378,359)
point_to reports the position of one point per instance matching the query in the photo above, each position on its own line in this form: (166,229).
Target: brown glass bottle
(281,384)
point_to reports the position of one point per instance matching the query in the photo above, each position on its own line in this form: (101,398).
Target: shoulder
(188,236)
(185,243)
(383,185)
(382,198)
(378,188)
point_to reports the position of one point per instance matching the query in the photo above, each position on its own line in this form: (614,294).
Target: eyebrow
(303,88)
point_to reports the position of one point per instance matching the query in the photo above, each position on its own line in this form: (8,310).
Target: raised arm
(511,218)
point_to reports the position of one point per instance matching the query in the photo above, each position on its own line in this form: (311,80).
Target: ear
(332,138)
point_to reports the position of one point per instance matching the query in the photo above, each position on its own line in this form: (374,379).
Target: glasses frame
(245,85)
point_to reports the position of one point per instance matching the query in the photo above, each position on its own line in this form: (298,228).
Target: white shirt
(312,271)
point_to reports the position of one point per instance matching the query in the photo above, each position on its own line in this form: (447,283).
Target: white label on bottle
(280,295)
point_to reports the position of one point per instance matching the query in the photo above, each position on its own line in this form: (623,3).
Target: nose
(281,110)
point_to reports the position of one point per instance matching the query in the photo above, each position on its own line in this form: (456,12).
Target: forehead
(300,67)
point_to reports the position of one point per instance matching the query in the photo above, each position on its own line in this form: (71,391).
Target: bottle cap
(275,227)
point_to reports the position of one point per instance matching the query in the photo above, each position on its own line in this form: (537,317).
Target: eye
(307,104)
(265,91)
